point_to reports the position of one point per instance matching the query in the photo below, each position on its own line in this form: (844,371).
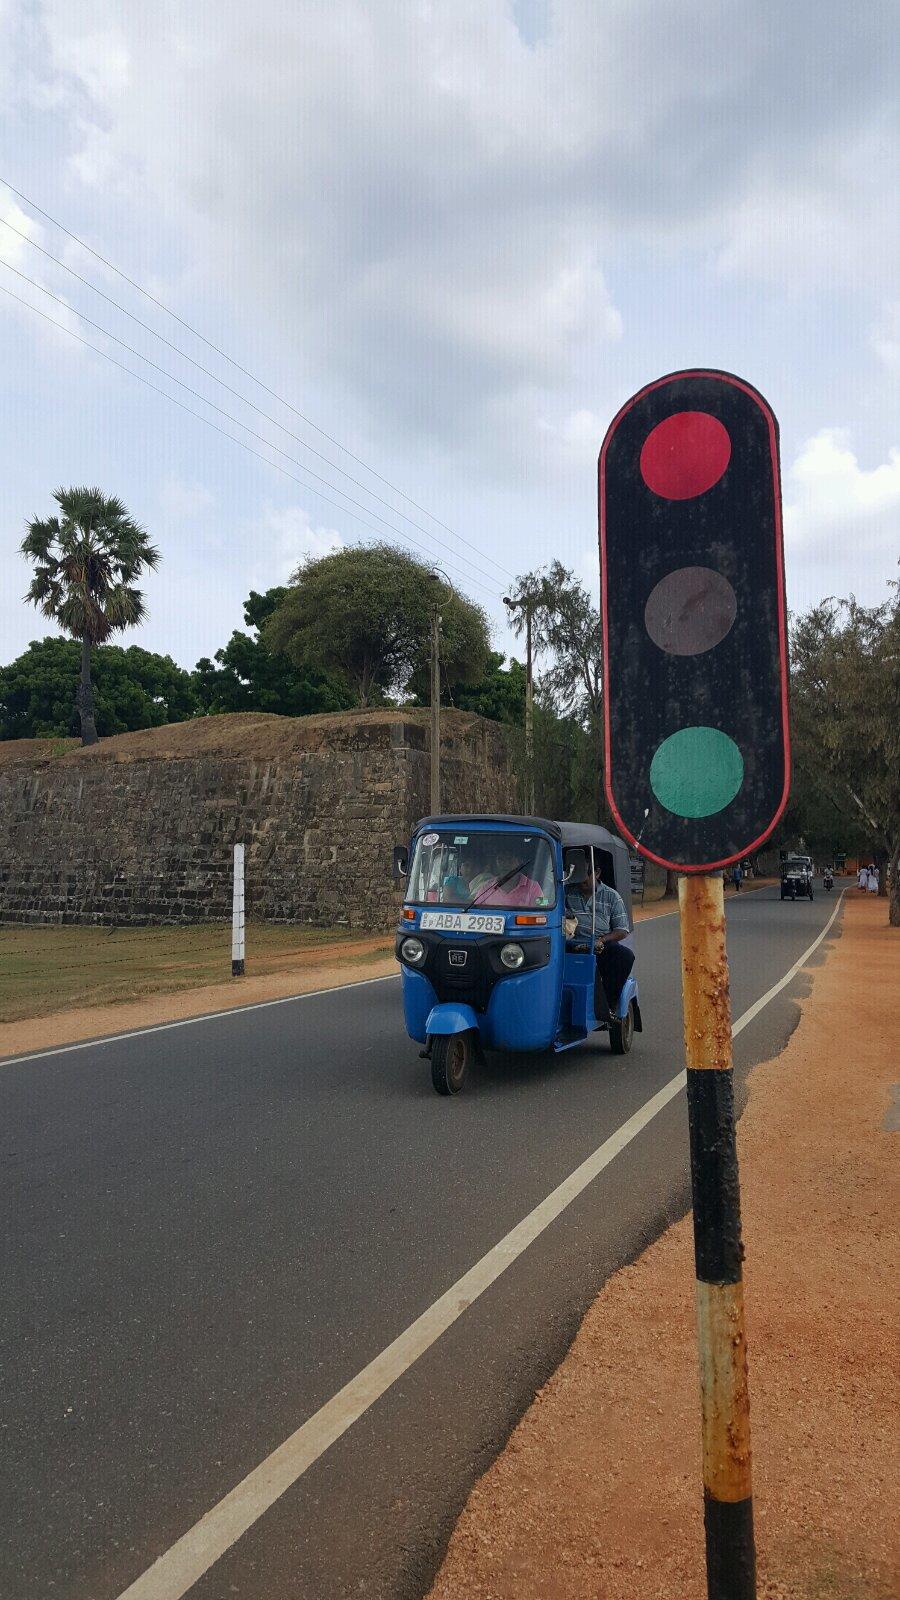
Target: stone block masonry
(141,828)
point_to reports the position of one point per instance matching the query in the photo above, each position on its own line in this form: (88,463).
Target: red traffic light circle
(685,454)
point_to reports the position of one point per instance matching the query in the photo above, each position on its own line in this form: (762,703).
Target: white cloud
(578,436)
(23,264)
(414,191)
(842,521)
(886,337)
(290,537)
(184,502)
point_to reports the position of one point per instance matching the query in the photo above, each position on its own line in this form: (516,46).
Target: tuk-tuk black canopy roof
(570,834)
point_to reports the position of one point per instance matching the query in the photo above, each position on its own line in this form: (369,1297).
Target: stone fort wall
(140,828)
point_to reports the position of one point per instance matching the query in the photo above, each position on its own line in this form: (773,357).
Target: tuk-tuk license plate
(462,922)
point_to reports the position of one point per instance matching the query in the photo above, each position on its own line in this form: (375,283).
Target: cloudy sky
(454,236)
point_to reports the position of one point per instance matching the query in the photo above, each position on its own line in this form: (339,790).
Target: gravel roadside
(597,1495)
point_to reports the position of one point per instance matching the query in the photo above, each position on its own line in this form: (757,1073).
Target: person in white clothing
(872,880)
(862,878)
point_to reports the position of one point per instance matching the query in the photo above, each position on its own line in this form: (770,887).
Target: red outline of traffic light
(756,397)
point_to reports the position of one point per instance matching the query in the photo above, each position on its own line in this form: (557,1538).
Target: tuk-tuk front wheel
(621,1032)
(450,1057)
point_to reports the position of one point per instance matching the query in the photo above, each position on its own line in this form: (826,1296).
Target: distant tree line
(353,629)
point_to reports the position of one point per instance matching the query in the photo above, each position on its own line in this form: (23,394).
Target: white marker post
(237,914)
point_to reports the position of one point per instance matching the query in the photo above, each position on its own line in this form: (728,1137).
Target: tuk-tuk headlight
(512,956)
(413,951)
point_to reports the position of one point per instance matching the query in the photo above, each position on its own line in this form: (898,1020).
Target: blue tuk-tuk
(487,960)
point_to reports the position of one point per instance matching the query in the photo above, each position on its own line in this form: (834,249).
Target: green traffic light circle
(696,772)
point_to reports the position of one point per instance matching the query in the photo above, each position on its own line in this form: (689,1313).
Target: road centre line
(179,1568)
(229,1011)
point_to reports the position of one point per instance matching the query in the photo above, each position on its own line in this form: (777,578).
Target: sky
(450,237)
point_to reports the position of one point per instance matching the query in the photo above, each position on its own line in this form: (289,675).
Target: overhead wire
(173,400)
(148,328)
(154,299)
(458,560)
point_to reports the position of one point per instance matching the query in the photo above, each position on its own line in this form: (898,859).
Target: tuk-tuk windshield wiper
(489,888)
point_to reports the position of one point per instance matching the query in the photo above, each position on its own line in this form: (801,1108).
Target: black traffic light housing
(695,652)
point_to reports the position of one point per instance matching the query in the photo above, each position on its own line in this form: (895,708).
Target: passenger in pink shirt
(516,890)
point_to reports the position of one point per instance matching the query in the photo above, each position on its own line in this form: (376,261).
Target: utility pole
(435,710)
(527,606)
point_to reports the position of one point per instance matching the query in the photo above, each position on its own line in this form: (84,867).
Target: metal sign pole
(718,1250)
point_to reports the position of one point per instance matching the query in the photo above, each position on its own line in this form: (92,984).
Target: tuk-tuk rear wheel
(621,1033)
(450,1054)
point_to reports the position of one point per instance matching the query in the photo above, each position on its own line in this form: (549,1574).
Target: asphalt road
(208,1230)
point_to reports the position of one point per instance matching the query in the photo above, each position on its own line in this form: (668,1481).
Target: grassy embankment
(47,969)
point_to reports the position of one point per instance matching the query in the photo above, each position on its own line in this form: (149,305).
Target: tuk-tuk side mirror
(401,863)
(576,865)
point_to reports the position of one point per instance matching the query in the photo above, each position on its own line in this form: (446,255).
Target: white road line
(189,1022)
(179,1568)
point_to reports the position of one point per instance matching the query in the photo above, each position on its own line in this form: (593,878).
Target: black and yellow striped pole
(697,776)
(718,1249)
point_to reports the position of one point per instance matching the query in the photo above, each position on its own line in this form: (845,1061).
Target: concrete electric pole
(435,710)
(527,606)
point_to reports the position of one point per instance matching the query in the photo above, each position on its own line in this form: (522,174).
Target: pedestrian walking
(736,876)
(862,878)
(872,879)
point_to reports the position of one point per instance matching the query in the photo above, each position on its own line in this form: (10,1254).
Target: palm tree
(86,561)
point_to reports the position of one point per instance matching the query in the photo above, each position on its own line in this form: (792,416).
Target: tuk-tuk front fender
(448,1017)
(629,994)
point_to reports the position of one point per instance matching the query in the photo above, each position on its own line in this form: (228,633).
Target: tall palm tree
(86,560)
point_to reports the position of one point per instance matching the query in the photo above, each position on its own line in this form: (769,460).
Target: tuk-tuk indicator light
(531,922)
(408,915)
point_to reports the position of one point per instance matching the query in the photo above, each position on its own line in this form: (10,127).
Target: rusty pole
(718,1250)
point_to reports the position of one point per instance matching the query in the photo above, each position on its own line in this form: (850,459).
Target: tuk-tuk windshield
(456,867)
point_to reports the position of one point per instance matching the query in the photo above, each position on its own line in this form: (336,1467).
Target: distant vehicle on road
(797,878)
(511,939)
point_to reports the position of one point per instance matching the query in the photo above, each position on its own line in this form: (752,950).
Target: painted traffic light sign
(694,624)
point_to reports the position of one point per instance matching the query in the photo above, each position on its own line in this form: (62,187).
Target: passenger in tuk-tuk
(509,886)
(609,921)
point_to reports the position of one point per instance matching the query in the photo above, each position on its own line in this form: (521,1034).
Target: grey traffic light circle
(690,610)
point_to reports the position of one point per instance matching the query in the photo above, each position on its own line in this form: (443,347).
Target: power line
(210,424)
(237,366)
(221,381)
(230,418)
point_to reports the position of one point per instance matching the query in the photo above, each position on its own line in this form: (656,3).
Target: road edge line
(187,1022)
(184,1563)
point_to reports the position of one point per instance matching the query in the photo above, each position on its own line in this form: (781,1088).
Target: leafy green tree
(250,677)
(364,613)
(845,695)
(132,689)
(498,695)
(814,818)
(566,628)
(86,561)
